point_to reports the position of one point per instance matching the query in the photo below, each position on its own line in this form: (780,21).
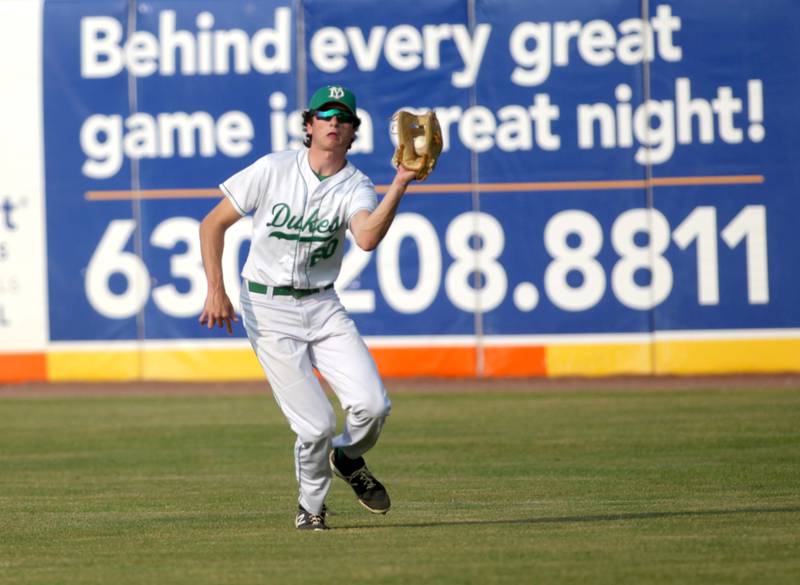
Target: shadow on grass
(582,518)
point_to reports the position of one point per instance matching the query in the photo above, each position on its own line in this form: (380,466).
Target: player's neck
(326,162)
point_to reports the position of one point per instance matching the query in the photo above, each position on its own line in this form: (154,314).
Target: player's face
(332,128)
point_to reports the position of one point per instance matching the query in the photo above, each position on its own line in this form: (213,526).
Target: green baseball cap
(333,94)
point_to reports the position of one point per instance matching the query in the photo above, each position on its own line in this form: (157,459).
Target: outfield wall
(617,193)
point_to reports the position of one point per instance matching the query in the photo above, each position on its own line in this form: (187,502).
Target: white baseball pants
(291,337)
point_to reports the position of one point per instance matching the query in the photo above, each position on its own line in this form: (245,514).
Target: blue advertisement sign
(605,170)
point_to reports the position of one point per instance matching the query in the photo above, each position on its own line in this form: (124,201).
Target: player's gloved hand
(218,311)
(419,142)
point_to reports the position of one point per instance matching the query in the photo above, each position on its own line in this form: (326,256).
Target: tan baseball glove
(419,142)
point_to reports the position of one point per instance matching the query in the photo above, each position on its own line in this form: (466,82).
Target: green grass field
(506,487)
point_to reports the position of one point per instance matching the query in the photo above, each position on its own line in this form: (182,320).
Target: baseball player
(302,202)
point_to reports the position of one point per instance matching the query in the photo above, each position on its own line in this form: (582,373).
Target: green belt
(297,293)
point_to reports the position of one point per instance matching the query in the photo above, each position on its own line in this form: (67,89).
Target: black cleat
(305,520)
(370,492)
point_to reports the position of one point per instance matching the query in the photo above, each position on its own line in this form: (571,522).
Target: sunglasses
(341,116)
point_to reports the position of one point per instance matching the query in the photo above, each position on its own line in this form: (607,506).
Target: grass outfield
(510,487)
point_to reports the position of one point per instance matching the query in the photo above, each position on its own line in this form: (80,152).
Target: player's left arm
(369,228)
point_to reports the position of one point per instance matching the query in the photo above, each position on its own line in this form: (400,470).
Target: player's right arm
(369,228)
(218,309)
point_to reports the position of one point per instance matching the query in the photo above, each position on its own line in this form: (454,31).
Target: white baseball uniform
(299,225)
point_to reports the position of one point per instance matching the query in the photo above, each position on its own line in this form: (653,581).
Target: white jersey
(299,222)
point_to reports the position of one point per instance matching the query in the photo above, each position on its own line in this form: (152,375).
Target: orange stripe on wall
(459,361)
(461,187)
(23,367)
(514,361)
(408,362)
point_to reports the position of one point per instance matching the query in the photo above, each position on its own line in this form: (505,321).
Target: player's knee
(317,432)
(327,431)
(318,438)
(372,408)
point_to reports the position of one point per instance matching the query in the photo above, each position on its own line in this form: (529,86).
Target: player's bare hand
(218,312)
(404,175)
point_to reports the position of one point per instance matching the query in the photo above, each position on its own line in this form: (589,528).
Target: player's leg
(271,327)
(341,356)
